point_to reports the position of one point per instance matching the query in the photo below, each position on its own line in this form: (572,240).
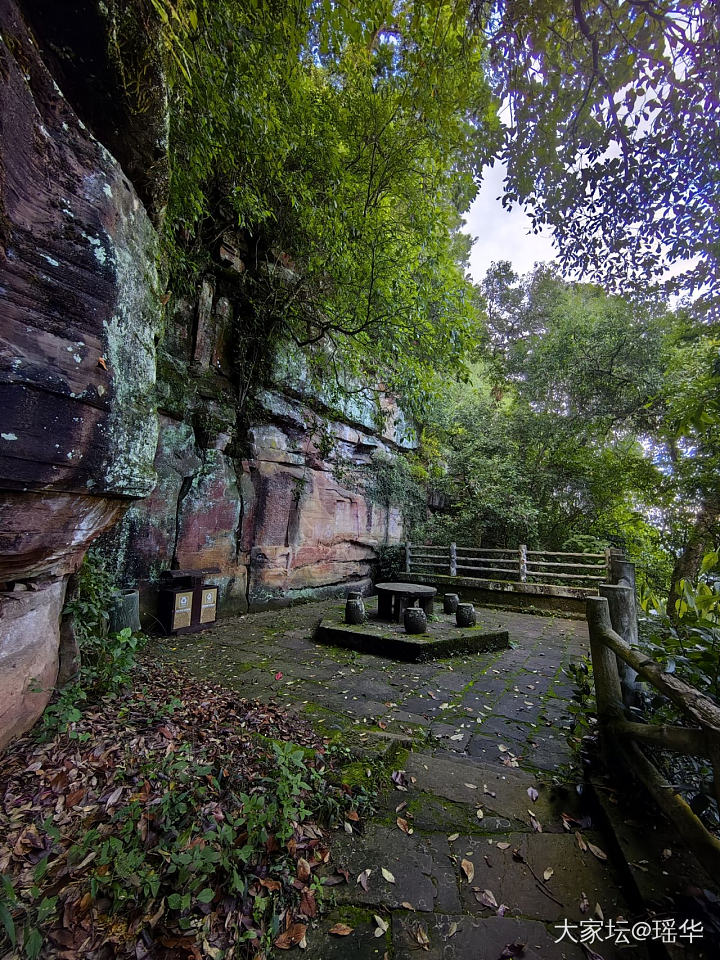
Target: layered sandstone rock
(285,523)
(78,318)
(273,498)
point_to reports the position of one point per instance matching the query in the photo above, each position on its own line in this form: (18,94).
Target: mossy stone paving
(483,729)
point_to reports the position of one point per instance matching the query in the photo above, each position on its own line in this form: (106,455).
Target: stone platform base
(384,639)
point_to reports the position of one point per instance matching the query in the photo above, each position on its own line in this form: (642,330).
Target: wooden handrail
(510,550)
(696,705)
(679,739)
(691,829)
(518,562)
(622,737)
(559,553)
(566,576)
(573,566)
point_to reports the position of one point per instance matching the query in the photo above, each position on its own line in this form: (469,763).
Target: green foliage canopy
(344,148)
(613,113)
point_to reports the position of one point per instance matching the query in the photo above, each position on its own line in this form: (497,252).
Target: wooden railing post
(608,564)
(522,552)
(623,617)
(453,559)
(608,692)
(408,556)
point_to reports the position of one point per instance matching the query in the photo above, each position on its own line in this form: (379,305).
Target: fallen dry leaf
(387,875)
(468,869)
(453,836)
(363,879)
(292,936)
(303,870)
(581,841)
(273,885)
(596,851)
(403,825)
(547,873)
(341,930)
(533,794)
(487,898)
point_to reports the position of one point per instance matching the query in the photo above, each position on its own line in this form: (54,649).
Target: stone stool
(465,615)
(354,612)
(450,602)
(415,620)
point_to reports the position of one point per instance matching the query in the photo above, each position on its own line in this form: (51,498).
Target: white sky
(501,235)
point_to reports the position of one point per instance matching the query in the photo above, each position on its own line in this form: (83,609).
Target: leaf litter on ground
(99,822)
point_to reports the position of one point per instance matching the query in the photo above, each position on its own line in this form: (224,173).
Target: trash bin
(186,602)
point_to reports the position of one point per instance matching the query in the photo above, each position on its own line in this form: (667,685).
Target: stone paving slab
(512,883)
(465,783)
(471,938)
(376,710)
(422,876)
(361,944)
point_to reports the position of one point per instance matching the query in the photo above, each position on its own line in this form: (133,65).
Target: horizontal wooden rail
(679,739)
(545,566)
(485,559)
(574,566)
(559,553)
(509,550)
(566,576)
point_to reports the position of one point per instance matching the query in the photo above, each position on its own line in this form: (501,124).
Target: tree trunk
(700,540)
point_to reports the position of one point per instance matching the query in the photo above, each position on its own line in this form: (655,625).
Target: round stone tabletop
(407,589)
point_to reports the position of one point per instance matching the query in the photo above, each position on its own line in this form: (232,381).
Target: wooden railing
(519,564)
(617,667)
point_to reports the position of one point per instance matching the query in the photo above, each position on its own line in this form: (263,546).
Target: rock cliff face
(280,508)
(120,421)
(78,318)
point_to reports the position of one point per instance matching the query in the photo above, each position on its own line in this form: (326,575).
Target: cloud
(501,235)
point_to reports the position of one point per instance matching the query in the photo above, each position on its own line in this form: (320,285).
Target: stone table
(393,598)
